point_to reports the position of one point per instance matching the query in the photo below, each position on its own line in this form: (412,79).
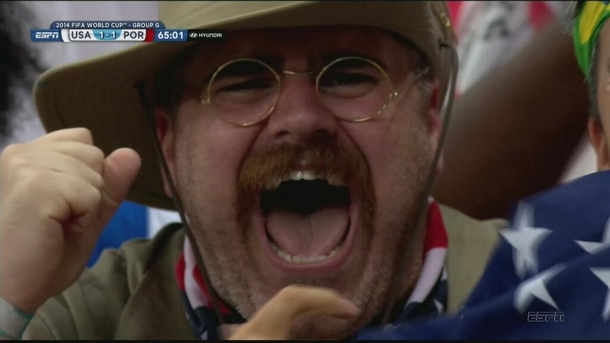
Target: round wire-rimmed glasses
(246,91)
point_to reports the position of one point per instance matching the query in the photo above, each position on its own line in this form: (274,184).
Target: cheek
(396,151)
(209,153)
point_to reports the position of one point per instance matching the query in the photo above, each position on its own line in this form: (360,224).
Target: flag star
(593,247)
(525,240)
(439,306)
(535,287)
(604,275)
(444,274)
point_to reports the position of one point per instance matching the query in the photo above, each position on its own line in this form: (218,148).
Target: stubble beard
(247,292)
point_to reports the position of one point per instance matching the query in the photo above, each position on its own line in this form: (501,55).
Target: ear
(599,141)
(165,134)
(434,119)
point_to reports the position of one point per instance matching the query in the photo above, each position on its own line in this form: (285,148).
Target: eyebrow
(328,58)
(275,62)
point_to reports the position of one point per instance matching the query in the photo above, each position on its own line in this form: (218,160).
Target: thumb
(275,319)
(120,170)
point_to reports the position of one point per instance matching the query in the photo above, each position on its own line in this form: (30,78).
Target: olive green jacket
(132,293)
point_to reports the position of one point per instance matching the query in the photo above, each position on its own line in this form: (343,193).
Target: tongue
(316,234)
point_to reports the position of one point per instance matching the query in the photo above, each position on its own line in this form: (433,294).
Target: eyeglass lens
(246,91)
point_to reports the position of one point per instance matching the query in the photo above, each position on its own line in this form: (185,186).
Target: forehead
(303,42)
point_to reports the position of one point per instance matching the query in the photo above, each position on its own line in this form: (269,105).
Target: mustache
(325,158)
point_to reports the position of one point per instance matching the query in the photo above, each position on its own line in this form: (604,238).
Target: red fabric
(224,309)
(455,10)
(540,14)
(180,272)
(436,235)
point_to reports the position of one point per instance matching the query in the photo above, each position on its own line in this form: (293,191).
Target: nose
(300,116)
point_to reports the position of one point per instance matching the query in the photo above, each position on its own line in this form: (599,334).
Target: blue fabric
(130,221)
(548,279)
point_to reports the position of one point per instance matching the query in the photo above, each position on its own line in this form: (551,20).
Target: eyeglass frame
(393,95)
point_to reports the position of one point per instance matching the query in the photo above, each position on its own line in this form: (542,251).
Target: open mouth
(308,220)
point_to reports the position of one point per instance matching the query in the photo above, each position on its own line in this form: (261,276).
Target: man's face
(260,231)
(600,134)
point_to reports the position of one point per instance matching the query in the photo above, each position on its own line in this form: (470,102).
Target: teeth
(296,175)
(307,176)
(304,260)
(302,175)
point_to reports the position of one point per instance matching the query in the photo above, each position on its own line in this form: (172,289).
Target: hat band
(589,22)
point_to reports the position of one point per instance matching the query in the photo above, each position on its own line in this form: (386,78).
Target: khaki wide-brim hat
(99,94)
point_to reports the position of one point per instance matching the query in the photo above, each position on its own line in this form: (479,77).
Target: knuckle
(11,150)
(84,134)
(78,191)
(97,156)
(31,177)
(18,162)
(94,197)
(97,153)
(98,182)
(22,168)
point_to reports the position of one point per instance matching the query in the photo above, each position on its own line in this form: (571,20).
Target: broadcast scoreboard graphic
(120,31)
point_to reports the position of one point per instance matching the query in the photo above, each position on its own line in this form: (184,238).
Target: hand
(57,193)
(274,320)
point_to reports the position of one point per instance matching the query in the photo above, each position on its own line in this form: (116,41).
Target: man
(320,183)
(550,276)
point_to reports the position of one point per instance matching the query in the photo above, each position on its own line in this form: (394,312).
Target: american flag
(548,279)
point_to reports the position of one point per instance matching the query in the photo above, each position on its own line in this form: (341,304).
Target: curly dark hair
(19,63)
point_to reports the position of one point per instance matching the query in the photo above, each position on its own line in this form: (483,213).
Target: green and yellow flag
(590,20)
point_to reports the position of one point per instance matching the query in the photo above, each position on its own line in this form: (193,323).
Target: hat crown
(199,14)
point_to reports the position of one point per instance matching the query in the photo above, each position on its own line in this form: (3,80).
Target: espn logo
(45,36)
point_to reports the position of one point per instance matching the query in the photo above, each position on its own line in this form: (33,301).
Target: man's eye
(245,84)
(339,78)
(237,90)
(347,84)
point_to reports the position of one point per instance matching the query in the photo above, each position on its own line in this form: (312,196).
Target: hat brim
(99,94)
